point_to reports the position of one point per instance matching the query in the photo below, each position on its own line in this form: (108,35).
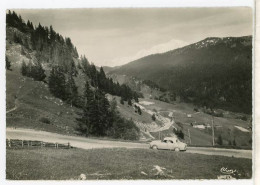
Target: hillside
(113,106)
(64,93)
(215,72)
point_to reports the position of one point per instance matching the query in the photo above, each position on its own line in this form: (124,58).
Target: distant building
(189,115)
(199,126)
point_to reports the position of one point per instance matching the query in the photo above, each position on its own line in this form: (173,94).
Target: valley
(199,95)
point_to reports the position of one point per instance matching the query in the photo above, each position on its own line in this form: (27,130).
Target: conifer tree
(57,83)
(72,91)
(24,69)
(37,72)
(102,80)
(122,101)
(85,121)
(129,102)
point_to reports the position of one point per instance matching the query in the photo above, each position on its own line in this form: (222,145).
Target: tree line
(99,117)
(50,47)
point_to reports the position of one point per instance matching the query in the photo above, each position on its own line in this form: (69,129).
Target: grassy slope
(30,97)
(35,102)
(57,164)
(203,137)
(33,105)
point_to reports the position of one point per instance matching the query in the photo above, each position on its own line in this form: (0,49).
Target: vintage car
(169,143)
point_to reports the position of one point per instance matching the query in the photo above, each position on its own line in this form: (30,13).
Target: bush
(122,101)
(124,129)
(153,117)
(244,118)
(139,110)
(218,114)
(234,143)
(179,133)
(7,63)
(45,120)
(196,110)
(220,141)
(33,71)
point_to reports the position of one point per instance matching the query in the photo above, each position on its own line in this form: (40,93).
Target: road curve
(88,143)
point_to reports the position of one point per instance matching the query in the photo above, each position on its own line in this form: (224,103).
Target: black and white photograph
(128,93)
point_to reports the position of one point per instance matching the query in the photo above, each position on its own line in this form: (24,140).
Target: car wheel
(155,147)
(176,149)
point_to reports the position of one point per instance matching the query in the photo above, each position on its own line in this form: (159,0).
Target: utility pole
(213,134)
(189,135)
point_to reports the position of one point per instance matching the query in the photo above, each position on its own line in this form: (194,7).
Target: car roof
(168,138)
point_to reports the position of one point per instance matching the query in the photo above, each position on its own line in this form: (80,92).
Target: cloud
(160,48)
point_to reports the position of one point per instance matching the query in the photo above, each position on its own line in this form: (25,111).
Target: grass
(64,164)
(204,137)
(32,105)
(29,97)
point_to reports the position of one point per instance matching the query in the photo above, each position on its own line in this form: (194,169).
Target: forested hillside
(215,72)
(49,57)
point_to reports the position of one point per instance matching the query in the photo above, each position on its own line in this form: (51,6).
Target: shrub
(124,129)
(7,63)
(218,114)
(179,133)
(153,117)
(244,118)
(139,110)
(129,102)
(220,141)
(196,110)
(45,120)
(122,101)
(234,143)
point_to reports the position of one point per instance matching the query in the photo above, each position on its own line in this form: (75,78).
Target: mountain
(214,72)
(42,64)
(43,68)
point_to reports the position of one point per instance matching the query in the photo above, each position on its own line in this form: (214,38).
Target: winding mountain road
(88,143)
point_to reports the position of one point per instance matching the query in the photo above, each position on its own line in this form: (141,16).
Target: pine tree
(85,65)
(102,80)
(93,74)
(29,69)
(24,69)
(103,113)
(96,118)
(181,135)
(84,124)
(57,83)
(72,91)
(135,97)
(37,72)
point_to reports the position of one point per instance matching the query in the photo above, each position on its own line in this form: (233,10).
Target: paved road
(87,143)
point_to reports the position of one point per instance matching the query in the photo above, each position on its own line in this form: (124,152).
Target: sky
(113,37)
